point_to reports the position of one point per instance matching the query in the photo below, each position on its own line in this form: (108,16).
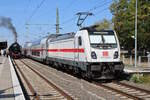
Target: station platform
(133,69)
(10,88)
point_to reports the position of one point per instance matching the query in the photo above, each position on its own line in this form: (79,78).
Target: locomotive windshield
(103,40)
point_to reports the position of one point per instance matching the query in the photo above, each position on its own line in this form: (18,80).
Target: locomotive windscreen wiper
(104,46)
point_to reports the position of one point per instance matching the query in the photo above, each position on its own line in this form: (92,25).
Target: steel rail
(124,93)
(118,91)
(50,83)
(27,82)
(133,87)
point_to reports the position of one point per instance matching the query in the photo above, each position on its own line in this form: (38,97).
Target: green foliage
(136,78)
(143,79)
(124,22)
(104,24)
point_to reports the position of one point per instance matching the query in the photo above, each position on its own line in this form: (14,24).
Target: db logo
(105,53)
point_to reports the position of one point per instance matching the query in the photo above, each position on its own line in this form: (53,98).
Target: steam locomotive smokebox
(3,45)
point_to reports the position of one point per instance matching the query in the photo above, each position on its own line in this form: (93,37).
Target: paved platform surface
(8,81)
(132,69)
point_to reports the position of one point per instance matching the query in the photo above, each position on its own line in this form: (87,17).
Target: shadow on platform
(3,94)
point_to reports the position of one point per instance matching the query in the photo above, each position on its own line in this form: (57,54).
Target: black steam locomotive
(15,50)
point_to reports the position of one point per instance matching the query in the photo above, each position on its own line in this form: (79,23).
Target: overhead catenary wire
(32,14)
(25,11)
(35,10)
(69,5)
(69,20)
(91,9)
(100,11)
(27,6)
(99,6)
(74,17)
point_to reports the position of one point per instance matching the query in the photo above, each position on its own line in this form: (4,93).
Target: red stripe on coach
(66,50)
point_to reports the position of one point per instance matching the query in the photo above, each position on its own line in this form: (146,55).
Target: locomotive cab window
(103,40)
(80,41)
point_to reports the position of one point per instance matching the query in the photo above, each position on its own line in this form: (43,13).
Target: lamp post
(136,34)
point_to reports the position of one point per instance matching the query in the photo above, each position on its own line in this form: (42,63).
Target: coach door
(42,51)
(78,43)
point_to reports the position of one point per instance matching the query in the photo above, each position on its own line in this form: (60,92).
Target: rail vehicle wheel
(76,70)
(63,67)
(86,75)
(83,74)
(46,61)
(52,64)
(119,75)
(59,66)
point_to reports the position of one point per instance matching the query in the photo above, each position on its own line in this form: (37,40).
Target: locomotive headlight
(93,55)
(116,55)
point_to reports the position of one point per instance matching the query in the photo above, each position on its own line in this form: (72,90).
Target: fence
(142,61)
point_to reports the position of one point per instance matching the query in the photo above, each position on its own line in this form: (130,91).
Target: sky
(41,16)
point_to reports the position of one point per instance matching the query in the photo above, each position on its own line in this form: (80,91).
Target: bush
(137,78)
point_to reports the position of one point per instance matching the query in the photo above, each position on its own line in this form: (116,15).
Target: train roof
(27,44)
(36,42)
(44,39)
(93,29)
(63,36)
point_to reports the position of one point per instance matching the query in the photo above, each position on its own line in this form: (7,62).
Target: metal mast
(57,21)
(136,34)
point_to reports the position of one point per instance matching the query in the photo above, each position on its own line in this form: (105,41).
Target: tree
(104,24)
(124,18)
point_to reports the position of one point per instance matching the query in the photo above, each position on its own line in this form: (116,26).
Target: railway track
(125,90)
(38,87)
(128,91)
(121,90)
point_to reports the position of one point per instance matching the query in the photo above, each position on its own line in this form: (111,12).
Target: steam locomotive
(15,50)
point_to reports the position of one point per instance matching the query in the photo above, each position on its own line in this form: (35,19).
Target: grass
(141,79)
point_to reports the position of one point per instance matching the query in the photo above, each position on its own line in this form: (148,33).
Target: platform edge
(16,85)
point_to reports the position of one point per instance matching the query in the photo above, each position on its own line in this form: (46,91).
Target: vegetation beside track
(141,78)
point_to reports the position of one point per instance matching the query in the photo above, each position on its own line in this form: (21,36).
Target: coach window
(80,41)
